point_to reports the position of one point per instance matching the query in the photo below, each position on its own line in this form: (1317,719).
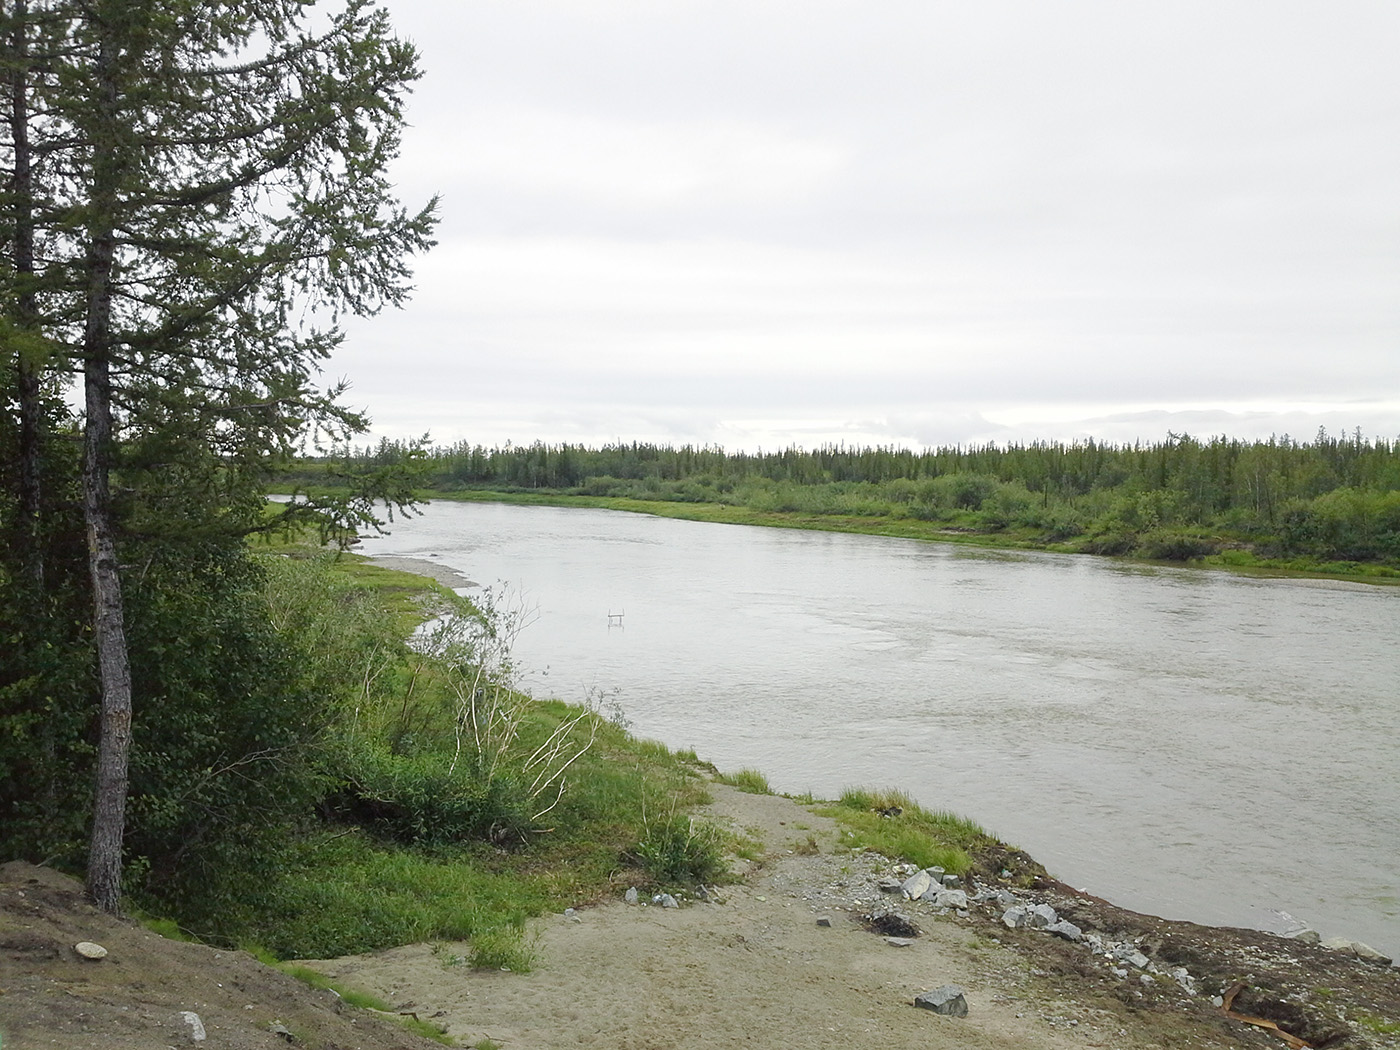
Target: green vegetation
(319,779)
(680,850)
(1330,505)
(751,780)
(891,823)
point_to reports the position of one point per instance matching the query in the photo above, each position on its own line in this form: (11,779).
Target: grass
(750,780)
(920,836)
(1379,1025)
(315,979)
(678,849)
(504,948)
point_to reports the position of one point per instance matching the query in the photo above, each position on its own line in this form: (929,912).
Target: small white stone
(89,950)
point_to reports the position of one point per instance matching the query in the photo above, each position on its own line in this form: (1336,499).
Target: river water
(1190,743)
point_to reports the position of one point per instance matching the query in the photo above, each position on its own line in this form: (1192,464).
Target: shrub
(682,849)
(1169,545)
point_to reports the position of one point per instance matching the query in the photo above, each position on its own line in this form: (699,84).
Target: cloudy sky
(761,222)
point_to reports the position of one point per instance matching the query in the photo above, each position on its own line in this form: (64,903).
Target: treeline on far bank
(1333,499)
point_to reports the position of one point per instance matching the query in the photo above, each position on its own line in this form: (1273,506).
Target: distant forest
(1332,499)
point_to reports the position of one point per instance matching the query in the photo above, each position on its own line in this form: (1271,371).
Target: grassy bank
(401,852)
(1235,559)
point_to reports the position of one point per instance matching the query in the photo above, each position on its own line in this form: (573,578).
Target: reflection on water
(1191,743)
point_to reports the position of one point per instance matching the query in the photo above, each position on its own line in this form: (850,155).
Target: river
(1191,743)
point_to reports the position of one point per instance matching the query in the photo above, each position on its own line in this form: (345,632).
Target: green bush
(1172,545)
(681,849)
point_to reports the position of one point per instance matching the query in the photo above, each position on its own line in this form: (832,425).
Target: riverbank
(1234,558)
(802,951)
(789,957)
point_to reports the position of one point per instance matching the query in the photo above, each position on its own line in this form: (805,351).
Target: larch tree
(219,182)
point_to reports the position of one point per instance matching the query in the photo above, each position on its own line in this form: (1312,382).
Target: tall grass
(891,823)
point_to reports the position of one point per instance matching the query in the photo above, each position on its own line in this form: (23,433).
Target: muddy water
(1191,743)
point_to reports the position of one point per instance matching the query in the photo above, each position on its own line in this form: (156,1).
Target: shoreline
(432,570)
(725,514)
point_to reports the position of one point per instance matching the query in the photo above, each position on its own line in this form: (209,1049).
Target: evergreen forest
(1330,503)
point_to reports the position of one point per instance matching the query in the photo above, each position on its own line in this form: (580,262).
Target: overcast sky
(761,223)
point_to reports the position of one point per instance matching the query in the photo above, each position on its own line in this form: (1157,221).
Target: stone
(1366,953)
(949,1000)
(1041,916)
(1362,951)
(1007,899)
(1066,929)
(197,1034)
(90,950)
(951,899)
(278,1028)
(667,901)
(1305,936)
(1016,917)
(1183,977)
(916,885)
(1129,954)
(631,895)
(951,880)
(898,942)
(824,920)
(890,885)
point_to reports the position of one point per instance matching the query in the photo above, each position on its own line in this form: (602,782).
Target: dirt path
(754,968)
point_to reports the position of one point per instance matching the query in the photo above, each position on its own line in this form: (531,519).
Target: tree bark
(104,876)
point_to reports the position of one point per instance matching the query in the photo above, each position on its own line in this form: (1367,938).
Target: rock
(1016,917)
(1305,936)
(196,1025)
(278,1028)
(824,920)
(950,1000)
(1183,977)
(1041,916)
(1066,929)
(916,885)
(890,885)
(935,873)
(951,899)
(1358,949)
(666,900)
(951,880)
(1366,953)
(1007,899)
(90,950)
(630,896)
(1362,951)
(1147,979)
(898,942)
(1129,954)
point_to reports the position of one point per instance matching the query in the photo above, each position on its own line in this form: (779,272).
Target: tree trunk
(104,878)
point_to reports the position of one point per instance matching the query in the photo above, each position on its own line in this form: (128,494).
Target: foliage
(751,780)
(1333,498)
(504,947)
(891,823)
(680,849)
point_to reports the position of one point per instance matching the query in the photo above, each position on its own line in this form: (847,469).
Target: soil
(749,966)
